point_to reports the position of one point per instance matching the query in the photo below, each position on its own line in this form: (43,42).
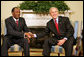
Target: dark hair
(13,9)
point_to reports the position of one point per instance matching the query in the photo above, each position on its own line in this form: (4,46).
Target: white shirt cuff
(65,38)
(24,35)
(35,35)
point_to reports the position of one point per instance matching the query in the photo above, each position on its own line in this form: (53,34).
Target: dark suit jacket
(13,31)
(65,28)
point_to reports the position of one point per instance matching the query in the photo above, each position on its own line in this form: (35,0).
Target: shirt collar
(15,19)
(56,20)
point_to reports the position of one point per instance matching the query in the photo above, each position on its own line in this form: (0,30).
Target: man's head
(54,12)
(16,12)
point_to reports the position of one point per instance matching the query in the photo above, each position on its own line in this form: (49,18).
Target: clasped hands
(29,35)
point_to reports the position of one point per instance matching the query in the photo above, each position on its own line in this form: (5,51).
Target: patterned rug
(33,52)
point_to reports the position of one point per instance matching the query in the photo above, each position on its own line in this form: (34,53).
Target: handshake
(29,35)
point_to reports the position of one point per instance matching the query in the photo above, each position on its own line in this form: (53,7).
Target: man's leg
(68,46)
(47,46)
(24,43)
(5,46)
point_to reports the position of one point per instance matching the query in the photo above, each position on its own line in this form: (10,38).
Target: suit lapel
(14,23)
(52,26)
(59,24)
(19,23)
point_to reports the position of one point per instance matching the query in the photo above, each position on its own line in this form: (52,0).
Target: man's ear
(50,14)
(13,13)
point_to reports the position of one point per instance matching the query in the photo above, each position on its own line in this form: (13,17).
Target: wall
(75,6)
(77,12)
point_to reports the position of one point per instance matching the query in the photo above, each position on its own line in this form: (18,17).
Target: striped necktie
(56,25)
(17,22)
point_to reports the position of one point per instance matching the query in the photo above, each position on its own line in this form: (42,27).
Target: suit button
(61,37)
(53,34)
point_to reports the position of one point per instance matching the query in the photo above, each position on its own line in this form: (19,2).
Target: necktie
(17,22)
(56,25)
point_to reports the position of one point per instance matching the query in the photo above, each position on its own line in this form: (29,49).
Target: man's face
(54,13)
(16,13)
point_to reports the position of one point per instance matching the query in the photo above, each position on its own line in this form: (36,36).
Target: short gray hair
(53,7)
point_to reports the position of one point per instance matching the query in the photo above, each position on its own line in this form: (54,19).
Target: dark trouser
(68,46)
(9,42)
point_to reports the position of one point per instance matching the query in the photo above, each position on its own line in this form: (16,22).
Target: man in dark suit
(17,33)
(62,33)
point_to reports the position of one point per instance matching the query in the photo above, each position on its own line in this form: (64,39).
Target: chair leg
(22,53)
(58,54)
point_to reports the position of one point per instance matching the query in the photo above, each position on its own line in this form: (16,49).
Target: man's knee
(5,40)
(46,41)
(25,40)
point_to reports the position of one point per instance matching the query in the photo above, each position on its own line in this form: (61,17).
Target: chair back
(75,29)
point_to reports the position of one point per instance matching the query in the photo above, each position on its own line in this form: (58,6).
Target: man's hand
(27,35)
(61,42)
(32,35)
